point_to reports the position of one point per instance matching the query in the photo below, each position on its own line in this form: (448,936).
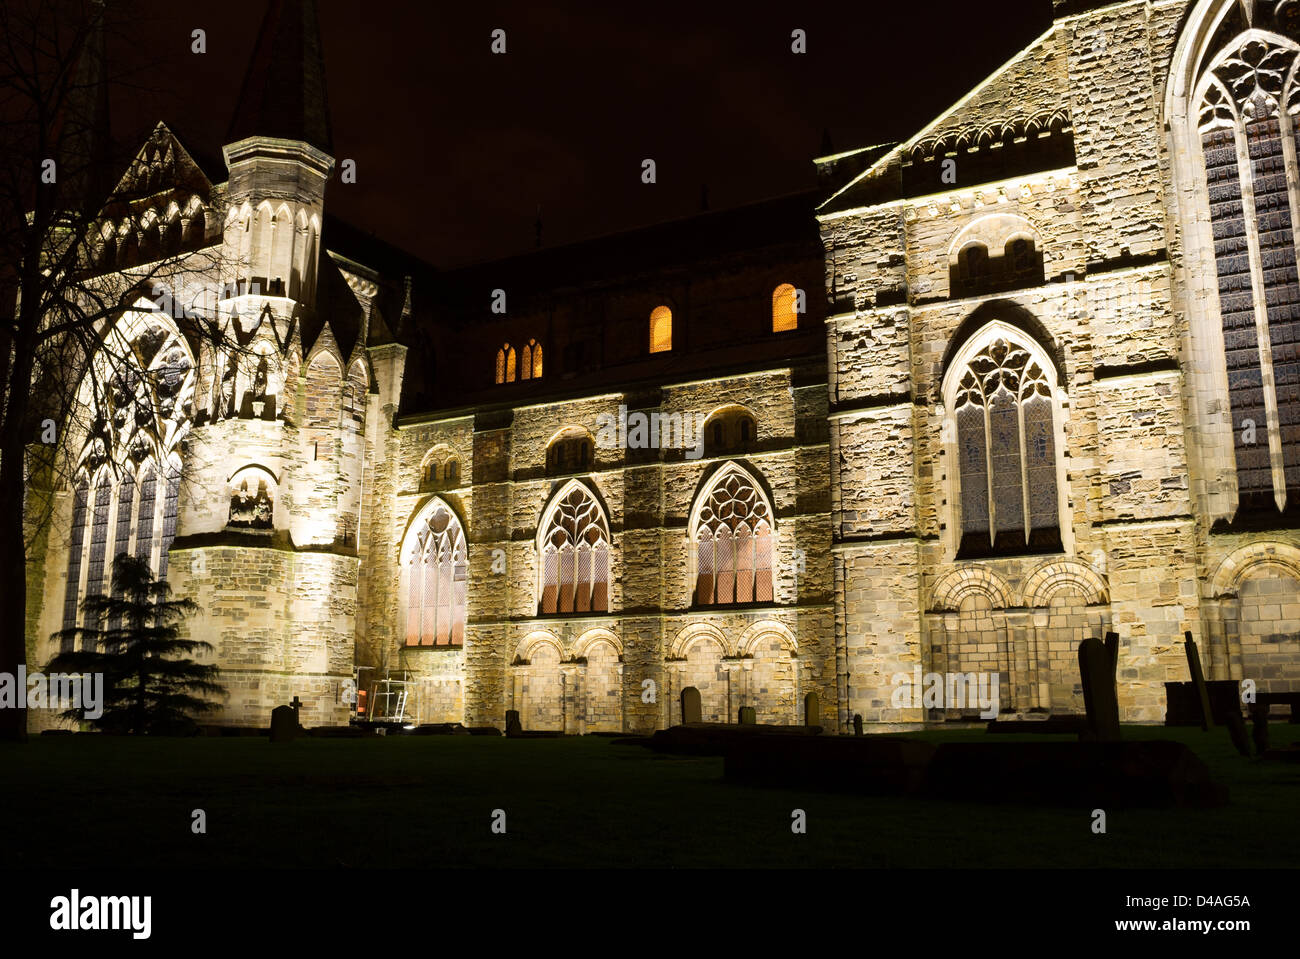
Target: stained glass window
(141,398)
(733,543)
(437,577)
(575,555)
(1242,124)
(1006,453)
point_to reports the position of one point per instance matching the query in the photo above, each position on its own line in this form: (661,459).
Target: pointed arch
(171,236)
(573,549)
(434,562)
(300,244)
(311,259)
(139,392)
(1004,431)
(505,369)
(1232,108)
(733,537)
(355,389)
(280,253)
(323,382)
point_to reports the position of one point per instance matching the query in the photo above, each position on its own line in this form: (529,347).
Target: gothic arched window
(574,552)
(506,360)
(733,538)
(1249,108)
(530,367)
(1004,415)
(137,404)
(437,572)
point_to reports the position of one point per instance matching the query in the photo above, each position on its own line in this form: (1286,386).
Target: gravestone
(1112,647)
(513,726)
(1097,672)
(284,724)
(1259,723)
(1198,680)
(692,712)
(748,716)
(857,724)
(812,710)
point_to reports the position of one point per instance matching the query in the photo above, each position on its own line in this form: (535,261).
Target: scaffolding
(392,697)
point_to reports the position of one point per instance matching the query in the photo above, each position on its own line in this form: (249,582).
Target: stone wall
(589,672)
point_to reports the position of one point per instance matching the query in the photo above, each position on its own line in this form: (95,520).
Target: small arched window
(730,431)
(574,550)
(531,366)
(661,330)
(733,539)
(1020,257)
(973,264)
(571,452)
(785,308)
(440,469)
(506,359)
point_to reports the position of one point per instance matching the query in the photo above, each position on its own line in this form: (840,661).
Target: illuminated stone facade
(1004,420)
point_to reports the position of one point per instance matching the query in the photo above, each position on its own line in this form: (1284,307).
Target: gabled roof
(162,164)
(1014,122)
(284,90)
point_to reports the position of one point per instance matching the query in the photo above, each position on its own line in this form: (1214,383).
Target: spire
(284,90)
(85,142)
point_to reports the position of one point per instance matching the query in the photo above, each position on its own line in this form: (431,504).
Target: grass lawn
(427,802)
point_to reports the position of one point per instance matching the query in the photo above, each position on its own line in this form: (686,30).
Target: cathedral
(1030,376)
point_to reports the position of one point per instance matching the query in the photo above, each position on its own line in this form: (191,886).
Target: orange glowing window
(532,360)
(785,308)
(506,364)
(661,330)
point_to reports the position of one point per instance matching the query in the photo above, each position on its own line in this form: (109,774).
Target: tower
(267,534)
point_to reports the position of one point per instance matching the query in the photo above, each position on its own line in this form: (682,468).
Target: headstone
(857,724)
(513,726)
(1112,647)
(692,712)
(1198,679)
(284,724)
(748,716)
(1097,672)
(1259,722)
(812,710)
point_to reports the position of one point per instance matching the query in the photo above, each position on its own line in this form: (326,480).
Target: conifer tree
(132,636)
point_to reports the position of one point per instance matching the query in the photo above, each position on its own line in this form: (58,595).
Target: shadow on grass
(429,802)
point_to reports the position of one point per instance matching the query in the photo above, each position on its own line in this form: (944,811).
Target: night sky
(457,147)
